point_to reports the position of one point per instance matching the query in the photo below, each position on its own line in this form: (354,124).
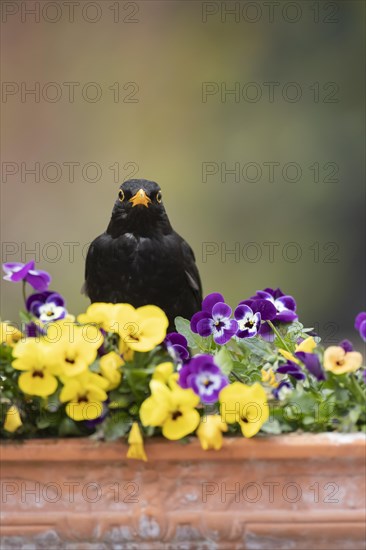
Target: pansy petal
(287,302)
(241,311)
(70,390)
(286,316)
(12,419)
(39,280)
(250,428)
(182,425)
(55,298)
(210,300)
(228,333)
(197,317)
(312,363)
(267,294)
(308,345)
(41,386)
(291,369)
(346,345)
(221,310)
(16,271)
(205,327)
(84,410)
(151,414)
(360,318)
(266,308)
(174,338)
(362,330)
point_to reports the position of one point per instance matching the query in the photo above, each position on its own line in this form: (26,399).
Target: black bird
(140,259)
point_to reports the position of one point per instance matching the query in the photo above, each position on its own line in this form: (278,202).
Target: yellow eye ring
(158,197)
(121,195)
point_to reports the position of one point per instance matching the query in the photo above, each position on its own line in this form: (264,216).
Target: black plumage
(140,259)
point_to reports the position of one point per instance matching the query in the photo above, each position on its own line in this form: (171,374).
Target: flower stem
(279,336)
(357,388)
(24,293)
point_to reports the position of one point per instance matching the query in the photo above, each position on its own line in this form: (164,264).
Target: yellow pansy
(110,368)
(102,314)
(136,444)
(9,334)
(141,329)
(163,372)
(74,347)
(338,361)
(210,432)
(269,377)
(244,404)
(171,408)
(85,394)
(12,419)
(35,357)
(308,345)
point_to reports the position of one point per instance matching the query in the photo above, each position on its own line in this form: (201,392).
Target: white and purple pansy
(214,319)
(248,321)
(16,272)
(204,377)
(46,306)
(273,305)
(285,305)
(177,346)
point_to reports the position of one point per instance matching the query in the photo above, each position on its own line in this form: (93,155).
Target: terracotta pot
(282,492)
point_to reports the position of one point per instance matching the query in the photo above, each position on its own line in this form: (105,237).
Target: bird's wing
(96,265)
(88,264)
(191,272)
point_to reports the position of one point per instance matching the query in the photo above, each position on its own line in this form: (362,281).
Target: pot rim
(294,446)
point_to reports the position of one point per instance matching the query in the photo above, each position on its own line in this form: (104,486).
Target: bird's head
(139,207)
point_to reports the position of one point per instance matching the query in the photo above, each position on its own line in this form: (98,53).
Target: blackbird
(140,259)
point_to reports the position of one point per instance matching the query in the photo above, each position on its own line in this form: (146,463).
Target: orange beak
(140,198)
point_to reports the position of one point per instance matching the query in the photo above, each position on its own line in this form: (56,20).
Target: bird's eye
(121,195)
(158,197)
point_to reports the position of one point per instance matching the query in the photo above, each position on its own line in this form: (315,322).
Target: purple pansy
(47,306)
(38,279)
(282,389)
(312,363)
(360,324)
(292,369)
(204,377)
(177,346)
(248,321)
(214,319)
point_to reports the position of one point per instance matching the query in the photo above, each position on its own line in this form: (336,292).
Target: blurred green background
(170,126)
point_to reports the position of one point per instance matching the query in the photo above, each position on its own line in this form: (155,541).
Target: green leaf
(116,426)
(43,423)
(68,427)
(120,403)
(271,427)
(183,326)
(224,361)
(194,341)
